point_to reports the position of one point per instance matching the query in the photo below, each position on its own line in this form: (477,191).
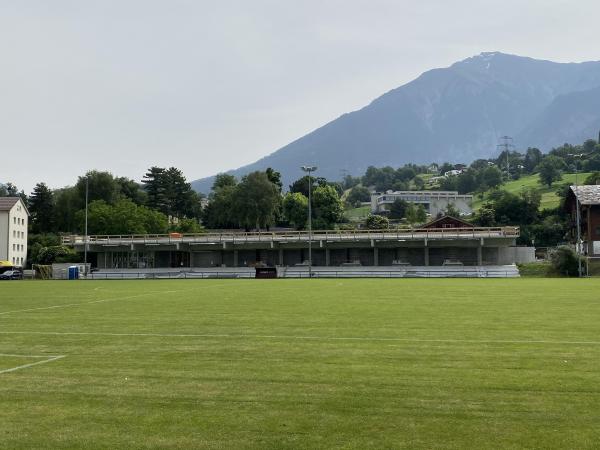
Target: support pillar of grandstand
(281,257)
(327,257)
(375,256)
(426,255)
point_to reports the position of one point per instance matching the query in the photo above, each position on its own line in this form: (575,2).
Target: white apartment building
(14,219)
(434,202)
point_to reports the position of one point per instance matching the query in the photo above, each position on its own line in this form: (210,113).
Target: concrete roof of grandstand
(587,195)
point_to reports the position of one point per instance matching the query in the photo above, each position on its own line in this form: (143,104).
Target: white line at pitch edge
(312,338)
(25,366)
(99,301)
(8,355)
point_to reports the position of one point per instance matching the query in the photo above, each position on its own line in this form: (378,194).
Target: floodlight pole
(85,243)
(578,219)
(309,169)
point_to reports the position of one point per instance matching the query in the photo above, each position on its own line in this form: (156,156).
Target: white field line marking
(8,355)
(310,338)
(101,300)
(25,366)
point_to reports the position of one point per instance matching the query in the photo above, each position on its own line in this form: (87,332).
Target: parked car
(12,275)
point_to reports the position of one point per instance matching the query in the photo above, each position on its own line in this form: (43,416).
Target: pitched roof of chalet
(6,203)
(587,194)
(445,218)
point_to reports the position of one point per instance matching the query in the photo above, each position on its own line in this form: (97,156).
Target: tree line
(257,202)
(479,176)
(547,227)
(162,202)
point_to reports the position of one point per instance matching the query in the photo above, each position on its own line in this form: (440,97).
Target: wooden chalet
(589,208)
(447,222)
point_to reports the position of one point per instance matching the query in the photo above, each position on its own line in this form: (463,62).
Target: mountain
(451,114)
(571,118)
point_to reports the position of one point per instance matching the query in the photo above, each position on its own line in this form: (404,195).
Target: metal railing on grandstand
(297,236)
(132,275)
(463,272)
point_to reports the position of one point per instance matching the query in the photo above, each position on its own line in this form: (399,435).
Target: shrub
(375,222)
(57,254)
(565,261)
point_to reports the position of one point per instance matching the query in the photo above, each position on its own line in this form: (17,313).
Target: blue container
(73,273)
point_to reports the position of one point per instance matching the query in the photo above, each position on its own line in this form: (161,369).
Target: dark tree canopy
(301,184)
(357,195)
(398,209)
(169,192)
(257,201)
(41,208)
(550,169)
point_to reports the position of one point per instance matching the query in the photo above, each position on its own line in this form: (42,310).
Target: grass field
(278,364)
(357,214)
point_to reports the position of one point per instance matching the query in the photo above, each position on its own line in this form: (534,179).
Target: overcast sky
(207,86)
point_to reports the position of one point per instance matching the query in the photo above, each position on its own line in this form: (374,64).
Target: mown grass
(272,364)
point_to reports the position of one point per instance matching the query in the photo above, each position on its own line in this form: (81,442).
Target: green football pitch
(276,364)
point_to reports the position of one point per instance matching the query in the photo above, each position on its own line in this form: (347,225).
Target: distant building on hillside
(14,219)
(435,202)
(589,204)
(454,172)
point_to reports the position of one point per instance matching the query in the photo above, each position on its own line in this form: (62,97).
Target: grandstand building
(435,202)
(444,243)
